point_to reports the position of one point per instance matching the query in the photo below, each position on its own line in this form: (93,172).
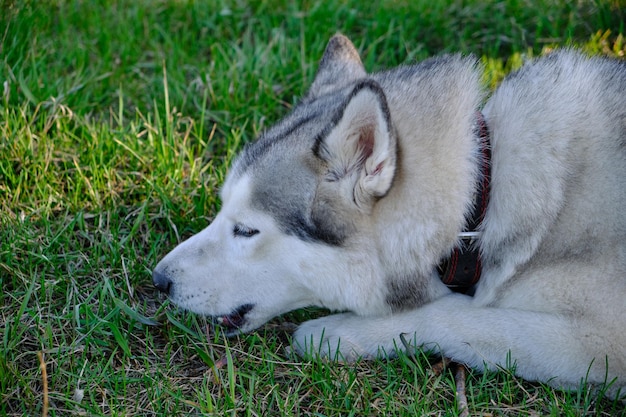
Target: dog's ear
(360,146)
(340,65)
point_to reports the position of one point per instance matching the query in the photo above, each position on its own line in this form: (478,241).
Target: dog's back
(559,143)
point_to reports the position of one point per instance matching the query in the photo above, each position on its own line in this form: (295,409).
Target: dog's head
(300,222)
(286,235)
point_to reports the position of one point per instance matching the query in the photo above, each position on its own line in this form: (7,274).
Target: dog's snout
(161,281)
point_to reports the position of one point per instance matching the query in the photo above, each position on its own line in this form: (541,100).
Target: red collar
(463,268)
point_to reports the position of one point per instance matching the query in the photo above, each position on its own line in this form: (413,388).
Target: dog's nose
(161,281)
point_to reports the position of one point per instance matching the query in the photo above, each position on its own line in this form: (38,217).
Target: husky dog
(353,199)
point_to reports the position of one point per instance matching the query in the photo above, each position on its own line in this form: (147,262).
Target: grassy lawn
(118,120)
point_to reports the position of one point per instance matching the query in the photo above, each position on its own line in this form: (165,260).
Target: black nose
(161,281)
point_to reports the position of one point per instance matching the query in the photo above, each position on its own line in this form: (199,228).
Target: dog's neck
(462,270)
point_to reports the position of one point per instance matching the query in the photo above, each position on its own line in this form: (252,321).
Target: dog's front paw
(339,337)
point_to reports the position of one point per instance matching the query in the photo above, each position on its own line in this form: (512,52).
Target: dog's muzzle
(161,281)
(231,322)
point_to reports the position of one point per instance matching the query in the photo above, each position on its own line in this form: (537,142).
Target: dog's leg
(538,346)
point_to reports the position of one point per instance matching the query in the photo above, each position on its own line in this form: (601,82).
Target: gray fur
(353,199)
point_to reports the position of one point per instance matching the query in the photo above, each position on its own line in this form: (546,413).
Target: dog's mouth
(235,320)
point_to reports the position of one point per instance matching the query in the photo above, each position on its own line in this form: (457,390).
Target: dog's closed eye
(244,231)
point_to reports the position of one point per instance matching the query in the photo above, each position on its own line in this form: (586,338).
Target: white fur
(289,282)
(552,298)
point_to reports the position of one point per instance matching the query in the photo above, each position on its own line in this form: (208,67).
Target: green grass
(118,121)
